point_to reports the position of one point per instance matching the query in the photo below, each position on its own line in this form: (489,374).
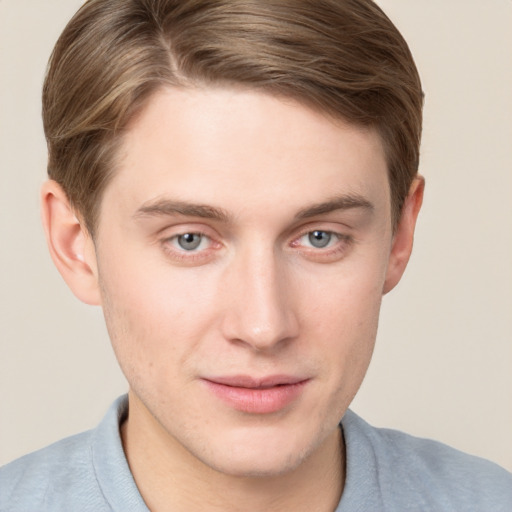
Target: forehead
(238,148)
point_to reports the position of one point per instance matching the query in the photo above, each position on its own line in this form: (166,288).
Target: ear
(71,247)
(403,238)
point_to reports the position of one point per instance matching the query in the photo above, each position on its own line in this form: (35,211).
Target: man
(235,183)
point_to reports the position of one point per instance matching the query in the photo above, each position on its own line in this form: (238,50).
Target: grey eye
(189,241)
(319,239)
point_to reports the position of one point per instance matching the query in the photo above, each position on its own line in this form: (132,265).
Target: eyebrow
(170,207)
(344,202)
(167,207)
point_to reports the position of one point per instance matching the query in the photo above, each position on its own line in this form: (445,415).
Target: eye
(323,245)
(320,239)
(190,241)
(190,248)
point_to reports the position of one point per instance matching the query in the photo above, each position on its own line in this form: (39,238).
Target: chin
(260,454)
(257,466)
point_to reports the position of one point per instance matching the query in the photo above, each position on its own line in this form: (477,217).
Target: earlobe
(70,245)
(404,236)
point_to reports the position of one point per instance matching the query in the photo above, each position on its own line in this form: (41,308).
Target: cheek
(350,335)
(347,300)
(343,319)
(154,315)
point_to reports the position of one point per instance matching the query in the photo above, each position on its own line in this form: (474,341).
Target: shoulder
(408,470)
(34,481)
(85,472)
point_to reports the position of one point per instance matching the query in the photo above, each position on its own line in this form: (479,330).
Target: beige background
(443,364)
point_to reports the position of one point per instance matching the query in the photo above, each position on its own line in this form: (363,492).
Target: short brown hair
(342,57)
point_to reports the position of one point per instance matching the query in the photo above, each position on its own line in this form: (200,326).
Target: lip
(257,395)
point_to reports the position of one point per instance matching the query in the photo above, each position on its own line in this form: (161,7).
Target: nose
(259,302)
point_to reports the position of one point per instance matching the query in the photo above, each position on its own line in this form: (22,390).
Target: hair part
(343,58)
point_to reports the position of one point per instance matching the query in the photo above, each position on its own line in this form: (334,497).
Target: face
(242,253)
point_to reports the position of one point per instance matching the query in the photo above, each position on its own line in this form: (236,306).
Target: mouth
(257,395)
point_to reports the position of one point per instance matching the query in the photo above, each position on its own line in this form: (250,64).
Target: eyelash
(327,254)
(187,256)
(338,249)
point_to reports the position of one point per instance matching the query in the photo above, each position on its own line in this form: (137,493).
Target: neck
(169,477)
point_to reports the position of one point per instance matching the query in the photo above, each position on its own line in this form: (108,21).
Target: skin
(252,176)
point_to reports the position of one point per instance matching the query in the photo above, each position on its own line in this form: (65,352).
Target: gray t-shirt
(386,471)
